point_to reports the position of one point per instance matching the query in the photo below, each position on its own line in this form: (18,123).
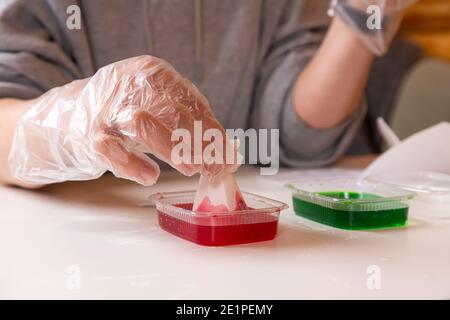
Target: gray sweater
(243,55)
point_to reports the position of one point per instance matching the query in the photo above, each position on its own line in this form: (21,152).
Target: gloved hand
(109,122)
(360,15)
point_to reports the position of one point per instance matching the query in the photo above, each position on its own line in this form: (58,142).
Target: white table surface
(91,240)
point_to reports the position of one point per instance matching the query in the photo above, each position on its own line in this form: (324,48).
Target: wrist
(347,40)
(11,110)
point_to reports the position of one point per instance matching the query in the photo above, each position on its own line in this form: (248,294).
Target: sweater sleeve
(294,41)
(32,55)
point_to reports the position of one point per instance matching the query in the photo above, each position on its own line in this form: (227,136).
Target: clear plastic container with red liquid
(257,223)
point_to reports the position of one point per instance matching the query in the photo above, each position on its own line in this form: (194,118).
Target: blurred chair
(424,98)
(410,86)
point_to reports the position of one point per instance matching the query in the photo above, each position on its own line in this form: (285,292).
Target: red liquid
(217,235)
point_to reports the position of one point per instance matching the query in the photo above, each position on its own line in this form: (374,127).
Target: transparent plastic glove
(110,122)
(361,15)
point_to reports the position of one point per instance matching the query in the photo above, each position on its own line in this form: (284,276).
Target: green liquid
(350,214)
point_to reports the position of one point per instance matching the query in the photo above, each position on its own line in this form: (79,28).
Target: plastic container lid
(258,223)
(432,190)
(431,185)
(351,204)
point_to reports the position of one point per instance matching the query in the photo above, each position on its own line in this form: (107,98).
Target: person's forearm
(332,85)
(10,112)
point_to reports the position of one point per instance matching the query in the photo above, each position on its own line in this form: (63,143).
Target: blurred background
(410,86)
(427,23)
(424,99)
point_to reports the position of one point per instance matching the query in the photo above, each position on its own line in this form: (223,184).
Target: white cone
(220,194)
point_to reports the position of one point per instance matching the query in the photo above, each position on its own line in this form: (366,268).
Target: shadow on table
(106,192)
(302,233)
(107,207)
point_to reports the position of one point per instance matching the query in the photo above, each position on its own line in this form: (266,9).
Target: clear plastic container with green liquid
(351,204)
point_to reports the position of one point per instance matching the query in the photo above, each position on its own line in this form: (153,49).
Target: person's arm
(32,61)
(293,44)
(11,110)
(332,85)
(111,121)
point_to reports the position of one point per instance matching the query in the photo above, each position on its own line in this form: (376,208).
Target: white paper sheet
(427,150)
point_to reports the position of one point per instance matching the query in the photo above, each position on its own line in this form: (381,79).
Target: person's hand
(110,122)
(361,16)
